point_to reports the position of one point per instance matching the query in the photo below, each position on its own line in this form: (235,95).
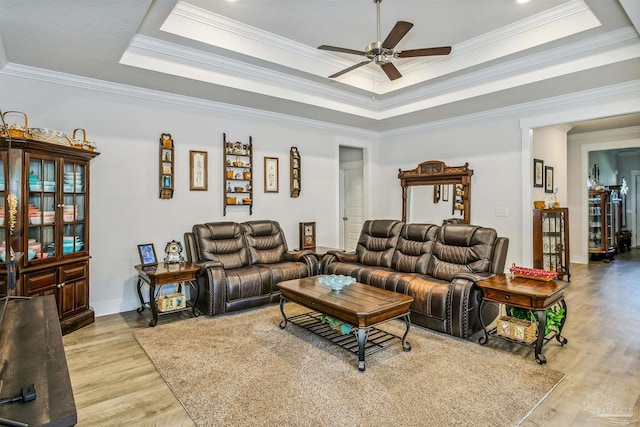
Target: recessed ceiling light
(519,1)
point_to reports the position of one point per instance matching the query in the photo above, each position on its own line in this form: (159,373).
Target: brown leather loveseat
(242,263)
(437,265)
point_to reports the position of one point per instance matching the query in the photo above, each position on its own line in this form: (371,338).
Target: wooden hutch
(50,183)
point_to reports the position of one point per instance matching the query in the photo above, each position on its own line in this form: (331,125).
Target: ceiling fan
(381,52)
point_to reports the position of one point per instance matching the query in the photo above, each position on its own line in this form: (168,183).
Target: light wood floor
(115,384)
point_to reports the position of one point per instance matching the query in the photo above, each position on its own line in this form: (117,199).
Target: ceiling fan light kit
(381,52)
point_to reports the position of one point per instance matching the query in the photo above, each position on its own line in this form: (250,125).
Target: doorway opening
(352,196)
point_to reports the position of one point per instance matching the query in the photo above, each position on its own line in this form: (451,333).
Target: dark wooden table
(528,294)
(32,352)
(359,305)
(164,274)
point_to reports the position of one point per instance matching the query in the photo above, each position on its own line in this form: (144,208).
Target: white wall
(550,146)
(492,149)
(125,205)
(126,210)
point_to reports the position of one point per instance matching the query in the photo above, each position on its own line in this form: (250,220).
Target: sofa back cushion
(265,241)
(461,248)
(413,250)
(221,241)
(377,242)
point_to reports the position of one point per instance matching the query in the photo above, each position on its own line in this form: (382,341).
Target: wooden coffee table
(359,305)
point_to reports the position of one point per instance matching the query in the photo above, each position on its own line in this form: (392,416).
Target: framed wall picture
(270,174)
(147,254)
(548,179)
(308,235)
(198,170)
(538,173)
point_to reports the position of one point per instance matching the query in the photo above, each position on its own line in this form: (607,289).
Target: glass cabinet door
(41,212)
(595,221)
(73,207)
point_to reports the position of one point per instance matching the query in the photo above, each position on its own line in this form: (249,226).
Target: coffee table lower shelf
(375,340)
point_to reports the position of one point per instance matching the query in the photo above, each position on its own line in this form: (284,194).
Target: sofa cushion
(377,242)
(429,296)
(221,241)
(247,282)
(265,241)
(285,270)
(413,250)
(461,248)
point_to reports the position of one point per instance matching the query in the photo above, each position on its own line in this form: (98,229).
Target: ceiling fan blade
(346,70)
(397,33)
(342,50)
(391,71)
(431,51)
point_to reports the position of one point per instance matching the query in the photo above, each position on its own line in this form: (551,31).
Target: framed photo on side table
(538,173)
(198,170)
(548,179)
(308,236)
(270,174)
(147,254)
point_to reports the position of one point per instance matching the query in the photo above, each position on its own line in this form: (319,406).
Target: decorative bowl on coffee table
(336,281)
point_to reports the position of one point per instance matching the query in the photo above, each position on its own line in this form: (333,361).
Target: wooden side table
(164,274)
(528,294)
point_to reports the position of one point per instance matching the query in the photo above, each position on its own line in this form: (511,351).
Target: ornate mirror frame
(434,172)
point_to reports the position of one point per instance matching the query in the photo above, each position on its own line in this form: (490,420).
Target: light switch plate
(502,212)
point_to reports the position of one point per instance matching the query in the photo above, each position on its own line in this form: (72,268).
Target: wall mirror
(434,192)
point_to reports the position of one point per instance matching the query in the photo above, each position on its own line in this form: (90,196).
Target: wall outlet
(502,212)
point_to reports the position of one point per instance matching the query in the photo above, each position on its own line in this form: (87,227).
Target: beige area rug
(240,369)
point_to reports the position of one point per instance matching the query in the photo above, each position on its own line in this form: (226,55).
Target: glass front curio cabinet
(551,241)
(50,184)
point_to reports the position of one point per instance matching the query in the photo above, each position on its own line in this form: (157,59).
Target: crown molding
(230,110)
(529,108)
(578,98)
(609,41)
(628,133)
(192,22)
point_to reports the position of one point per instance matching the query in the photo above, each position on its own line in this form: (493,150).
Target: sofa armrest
(345,256)
(296,256)
(473,277)
(305,256)
(209,264)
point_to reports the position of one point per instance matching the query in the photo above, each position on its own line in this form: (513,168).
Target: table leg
(154,307)
(194,284)
(363,333)
(484,339)
(562,340)
(542,323)
(283,324)
(139,289)
(406,346)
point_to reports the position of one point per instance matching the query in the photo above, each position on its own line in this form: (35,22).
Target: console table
(164,274)
(528,294)
(32,352)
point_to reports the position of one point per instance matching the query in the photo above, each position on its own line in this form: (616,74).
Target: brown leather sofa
(242,263)
(437,265)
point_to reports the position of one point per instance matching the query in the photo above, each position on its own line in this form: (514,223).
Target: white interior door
(353,202)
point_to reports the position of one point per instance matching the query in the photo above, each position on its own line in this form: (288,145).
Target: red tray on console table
(533,273)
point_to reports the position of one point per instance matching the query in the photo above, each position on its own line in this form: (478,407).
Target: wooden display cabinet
(551,241)
(51,184)
(238,174)
(603,224)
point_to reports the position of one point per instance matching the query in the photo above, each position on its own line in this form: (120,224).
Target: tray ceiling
(263,54)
